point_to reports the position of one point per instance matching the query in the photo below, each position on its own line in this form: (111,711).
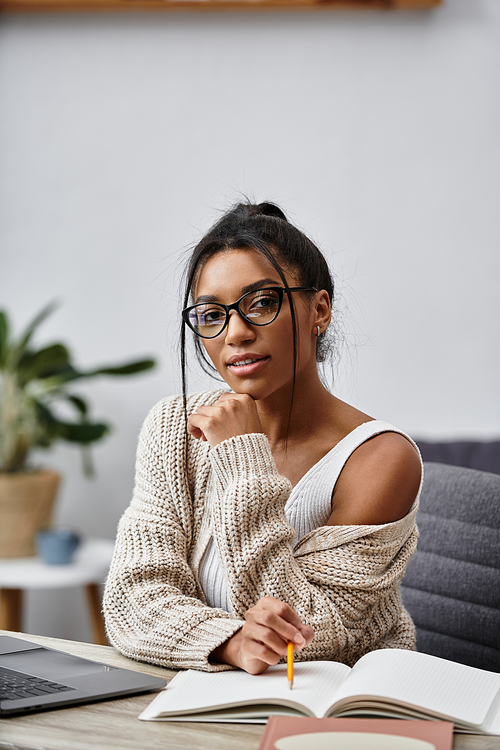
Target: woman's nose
(238,329)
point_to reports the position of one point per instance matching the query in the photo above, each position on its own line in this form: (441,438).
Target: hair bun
(270,209)
(249,210)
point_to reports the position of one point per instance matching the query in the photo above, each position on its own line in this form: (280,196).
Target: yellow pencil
(289,664)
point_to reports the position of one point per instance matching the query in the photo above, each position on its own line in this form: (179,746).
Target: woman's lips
(247,365)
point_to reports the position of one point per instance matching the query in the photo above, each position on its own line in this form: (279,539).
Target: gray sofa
(452,584)
(483,455)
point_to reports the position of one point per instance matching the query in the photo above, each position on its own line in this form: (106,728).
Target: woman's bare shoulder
(379,482)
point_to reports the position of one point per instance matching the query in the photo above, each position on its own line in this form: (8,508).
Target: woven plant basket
(26,503)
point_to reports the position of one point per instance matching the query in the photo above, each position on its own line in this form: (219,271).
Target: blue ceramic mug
(57,547)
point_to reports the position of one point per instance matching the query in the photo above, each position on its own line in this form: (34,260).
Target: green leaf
(4,337)
(25,338)
(48,424)
(129,369)
(43,363)
(85,432)
(44,413)
(69,373)
(75,432)
(62,375)
(79,403)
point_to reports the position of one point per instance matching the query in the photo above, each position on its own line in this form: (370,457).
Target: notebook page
(314,686)
(454,690)
(492,723)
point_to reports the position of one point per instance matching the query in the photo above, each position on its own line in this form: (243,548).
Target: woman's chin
(258,391)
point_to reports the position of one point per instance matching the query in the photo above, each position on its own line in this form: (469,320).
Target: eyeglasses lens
(260,308)
(207,320)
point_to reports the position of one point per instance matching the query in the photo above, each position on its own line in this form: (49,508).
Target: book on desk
(293,733)
(388,683)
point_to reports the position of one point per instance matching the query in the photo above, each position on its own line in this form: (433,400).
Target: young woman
(268,511)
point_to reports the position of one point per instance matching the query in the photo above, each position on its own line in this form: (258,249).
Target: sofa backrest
(475,454)
(452,584)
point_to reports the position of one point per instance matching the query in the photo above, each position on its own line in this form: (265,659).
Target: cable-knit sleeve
(341,580)
(151,604)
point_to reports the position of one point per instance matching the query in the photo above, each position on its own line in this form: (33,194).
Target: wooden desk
(113,725)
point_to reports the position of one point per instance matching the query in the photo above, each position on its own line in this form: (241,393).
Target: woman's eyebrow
(259,284)
(249,288)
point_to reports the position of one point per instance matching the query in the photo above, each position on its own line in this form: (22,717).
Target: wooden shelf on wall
(51,6)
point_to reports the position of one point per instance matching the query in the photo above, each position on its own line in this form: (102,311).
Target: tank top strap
(310,502)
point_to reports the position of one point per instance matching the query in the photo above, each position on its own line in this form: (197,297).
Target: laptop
(36,678)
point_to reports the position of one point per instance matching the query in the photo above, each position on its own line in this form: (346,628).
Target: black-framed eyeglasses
(260,307)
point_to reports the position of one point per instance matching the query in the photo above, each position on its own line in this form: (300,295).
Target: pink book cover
(432,734)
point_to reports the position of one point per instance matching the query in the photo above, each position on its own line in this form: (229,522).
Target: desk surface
(113,725)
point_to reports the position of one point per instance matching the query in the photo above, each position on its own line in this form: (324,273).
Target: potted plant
(33,382)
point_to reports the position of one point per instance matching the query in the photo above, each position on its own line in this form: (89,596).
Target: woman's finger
(281,619)
(232,415)
(262,643)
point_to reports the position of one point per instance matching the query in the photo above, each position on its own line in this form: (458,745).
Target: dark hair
(265,228)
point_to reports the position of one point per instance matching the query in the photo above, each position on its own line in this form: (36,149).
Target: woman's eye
(213,317)
(264,303)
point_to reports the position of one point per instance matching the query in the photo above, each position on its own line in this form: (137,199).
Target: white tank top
(308,507)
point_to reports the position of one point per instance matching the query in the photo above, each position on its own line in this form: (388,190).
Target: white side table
(89,569)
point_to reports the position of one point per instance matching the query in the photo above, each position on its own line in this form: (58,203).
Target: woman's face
(257,360)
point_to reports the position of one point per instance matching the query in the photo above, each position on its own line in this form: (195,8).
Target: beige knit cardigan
(343,581)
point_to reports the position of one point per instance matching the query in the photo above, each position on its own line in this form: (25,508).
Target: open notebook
(389,683)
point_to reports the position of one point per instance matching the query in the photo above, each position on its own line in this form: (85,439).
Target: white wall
(121,135)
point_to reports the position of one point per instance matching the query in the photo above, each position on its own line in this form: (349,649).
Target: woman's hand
(263,639)
(233,414)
